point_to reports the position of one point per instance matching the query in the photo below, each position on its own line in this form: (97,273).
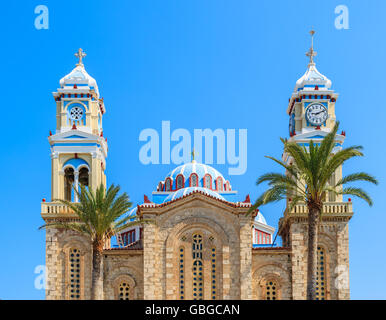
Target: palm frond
(99,212)
(357,192)
(360,176)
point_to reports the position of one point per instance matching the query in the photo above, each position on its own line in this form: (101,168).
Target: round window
(76,113)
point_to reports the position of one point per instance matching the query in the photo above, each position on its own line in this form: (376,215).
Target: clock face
(316,114)
(76,113)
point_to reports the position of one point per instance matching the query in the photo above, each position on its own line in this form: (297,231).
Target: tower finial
(311,53)
(193,156)
(80,54)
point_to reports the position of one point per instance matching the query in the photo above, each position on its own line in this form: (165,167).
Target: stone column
(342,280)
(149,259)
(298,242)
(76,185)
(53,291)
(245,258)
(55,179)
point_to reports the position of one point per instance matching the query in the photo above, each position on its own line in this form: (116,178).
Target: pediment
(195,199)
(74,135)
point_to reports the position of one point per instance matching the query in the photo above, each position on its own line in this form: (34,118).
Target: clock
(316,114)
(76,113)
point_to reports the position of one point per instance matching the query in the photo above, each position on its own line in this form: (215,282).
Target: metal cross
(311,53)
(193,154)
(80,55)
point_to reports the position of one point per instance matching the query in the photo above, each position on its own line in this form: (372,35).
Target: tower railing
(328,208)
(52,208)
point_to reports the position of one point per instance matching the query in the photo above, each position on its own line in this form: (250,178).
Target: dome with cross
(312,79)
(78,77)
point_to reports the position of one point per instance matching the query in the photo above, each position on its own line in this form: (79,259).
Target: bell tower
(78,148)
(311,111)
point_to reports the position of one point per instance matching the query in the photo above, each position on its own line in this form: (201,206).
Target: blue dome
(200,170)
(182,192)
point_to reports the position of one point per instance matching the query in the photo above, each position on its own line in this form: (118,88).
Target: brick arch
(328,244)
(123,273)
(208,215)
(327,241)
(75,241)
(186,224)
(195,210)
(127,279)
(270,272)
(218,239)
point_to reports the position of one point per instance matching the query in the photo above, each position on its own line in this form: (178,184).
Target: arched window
(83,176)
(219,184)
(198,278)
(167,184)
(227,186)
(160,186)
(193,180)
(213,274)
(123,291)
(208,181)
(74,274)
(179,182)
(321,275)
(69,176)
(271,292)
(182,273)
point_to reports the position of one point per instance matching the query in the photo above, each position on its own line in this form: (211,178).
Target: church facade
(202,244)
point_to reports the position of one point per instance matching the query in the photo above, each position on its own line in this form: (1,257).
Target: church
(203,244)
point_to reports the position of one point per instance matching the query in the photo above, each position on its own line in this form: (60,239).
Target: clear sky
(198,64)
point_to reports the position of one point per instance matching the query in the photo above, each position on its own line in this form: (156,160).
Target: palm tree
(307,181)
(101,216)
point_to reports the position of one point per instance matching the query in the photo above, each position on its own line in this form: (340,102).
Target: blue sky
(198,64)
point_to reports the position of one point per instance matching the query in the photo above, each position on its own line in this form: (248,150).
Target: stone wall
(58,245)
(123,266)
(240,271)
(271,264)
(172,228)
(333,238)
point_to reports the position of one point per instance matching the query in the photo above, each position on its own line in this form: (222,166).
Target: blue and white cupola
(79,78)
(193,176)
(312,79)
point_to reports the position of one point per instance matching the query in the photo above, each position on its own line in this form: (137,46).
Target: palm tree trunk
(312,258)
(97,275)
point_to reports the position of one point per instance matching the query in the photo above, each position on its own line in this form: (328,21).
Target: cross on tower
(193,155)
(80,55)
(311,53)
